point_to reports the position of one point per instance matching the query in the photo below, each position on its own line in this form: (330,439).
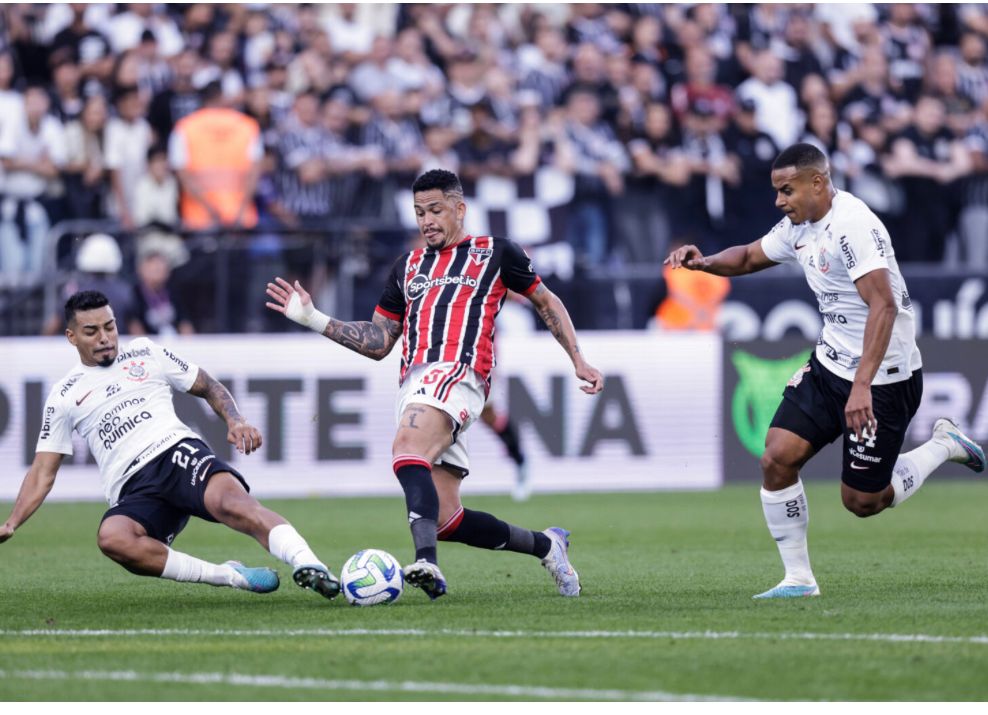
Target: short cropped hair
(445,181)
(84,300)
(801,156)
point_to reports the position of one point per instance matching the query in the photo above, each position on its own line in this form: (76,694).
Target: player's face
(94,334)
(440,217)
(800,195)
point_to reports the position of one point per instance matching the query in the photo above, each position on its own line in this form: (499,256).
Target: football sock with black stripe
(422,502)
(486,531)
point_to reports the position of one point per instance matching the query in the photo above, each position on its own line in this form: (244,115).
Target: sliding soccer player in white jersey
(156,472)
(442,300)
(864,381)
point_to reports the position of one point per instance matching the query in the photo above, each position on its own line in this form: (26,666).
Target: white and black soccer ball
(371,577)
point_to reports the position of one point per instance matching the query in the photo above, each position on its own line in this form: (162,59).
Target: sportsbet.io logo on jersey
(420,284)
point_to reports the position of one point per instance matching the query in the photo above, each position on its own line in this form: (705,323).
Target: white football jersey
(124,411)
(847,243)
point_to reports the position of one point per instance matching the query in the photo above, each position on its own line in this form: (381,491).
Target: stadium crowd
(170,119)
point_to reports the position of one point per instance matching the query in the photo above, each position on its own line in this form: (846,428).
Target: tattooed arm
(556,317)
(374,339)
(239,433)
(371,339)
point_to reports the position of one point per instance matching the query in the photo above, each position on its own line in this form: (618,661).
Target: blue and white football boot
(318,578)
(426,576)
(258,580)
(784,590)
(557,563)
(963,449)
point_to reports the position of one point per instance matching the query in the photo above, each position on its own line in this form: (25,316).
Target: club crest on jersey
(480,256)
(823,263)
(136,372)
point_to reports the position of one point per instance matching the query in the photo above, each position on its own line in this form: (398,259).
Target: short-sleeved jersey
(847,243)
(447,299)
(124,411)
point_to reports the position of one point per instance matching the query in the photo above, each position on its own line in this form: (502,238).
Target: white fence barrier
(327,415)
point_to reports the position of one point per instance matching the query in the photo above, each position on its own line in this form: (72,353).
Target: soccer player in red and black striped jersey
(442,300)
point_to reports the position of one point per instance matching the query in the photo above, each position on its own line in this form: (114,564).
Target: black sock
(422,503)
(486,531)
(509,436)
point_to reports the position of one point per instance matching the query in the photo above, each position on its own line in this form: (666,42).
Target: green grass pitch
(666,610)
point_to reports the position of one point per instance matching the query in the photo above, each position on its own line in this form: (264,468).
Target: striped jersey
(447,299)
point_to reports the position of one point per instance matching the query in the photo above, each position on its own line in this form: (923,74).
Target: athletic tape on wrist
(318,321)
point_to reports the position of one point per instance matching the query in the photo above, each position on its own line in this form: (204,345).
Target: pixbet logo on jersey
(420,285)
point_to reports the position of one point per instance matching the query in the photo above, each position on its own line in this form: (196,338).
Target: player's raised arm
(37,483)
(556,317)
(244,436)
(733,261)
(373,339)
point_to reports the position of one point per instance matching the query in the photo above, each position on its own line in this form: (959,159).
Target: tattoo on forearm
(370,339)
(216,396)
(554,322)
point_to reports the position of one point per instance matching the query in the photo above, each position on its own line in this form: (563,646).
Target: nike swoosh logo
(797,246)
(81,399)
(855,465)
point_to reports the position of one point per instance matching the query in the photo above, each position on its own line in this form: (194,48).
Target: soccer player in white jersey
(156,472)
(442,300)
(863,382)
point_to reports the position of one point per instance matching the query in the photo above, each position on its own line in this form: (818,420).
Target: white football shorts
(454,388)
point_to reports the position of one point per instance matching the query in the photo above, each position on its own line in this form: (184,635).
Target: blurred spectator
(374,75)
(222,65)
(396,138)
(942,83)
(543,65)
(155,209)
(178,100)
(703,199)
(32,152)
(154,309)
(776,112)
(749,196)
(600,162)
(350,35)
(67,100)
(126,29)
(974,214)
(700,86)
(11,101)
(128,138)
(88,47)
(645,213)
(85,167)
(796,50)
(590,73)
(906,45)
(410,67)
(216,152)
(926,159)
(872,100)
(98,263)
(303,173)
(972,67)
(482,152)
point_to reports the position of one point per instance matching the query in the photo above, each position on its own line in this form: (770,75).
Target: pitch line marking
(404,686)
(467,633)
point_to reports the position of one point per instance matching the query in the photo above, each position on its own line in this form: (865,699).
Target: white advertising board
(327,415)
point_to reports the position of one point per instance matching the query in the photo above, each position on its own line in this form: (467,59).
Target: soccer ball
(372,576)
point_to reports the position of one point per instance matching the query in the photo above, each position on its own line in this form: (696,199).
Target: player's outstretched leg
(947,444)
(127,542)
(414,473)
(486,531)
(787,517)
(230,504)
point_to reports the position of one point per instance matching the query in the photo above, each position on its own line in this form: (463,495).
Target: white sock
(182,567)
(287,545)
(912,468)
(787,517)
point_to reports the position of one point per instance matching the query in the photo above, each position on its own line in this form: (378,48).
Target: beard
(105,361)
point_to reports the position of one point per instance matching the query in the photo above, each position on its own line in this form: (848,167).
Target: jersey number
(181,459)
